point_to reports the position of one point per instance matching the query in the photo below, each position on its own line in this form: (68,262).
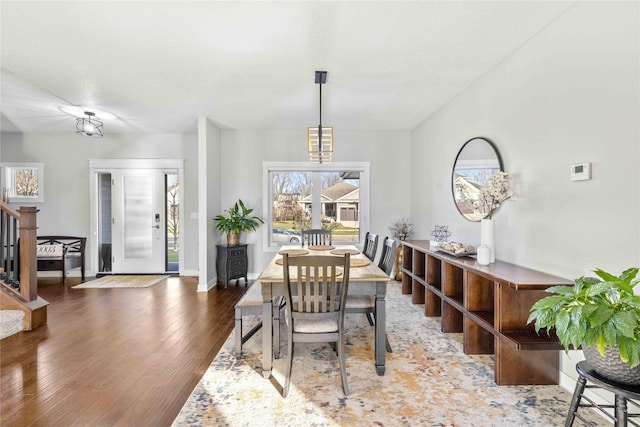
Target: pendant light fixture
(88,126)
(320,138)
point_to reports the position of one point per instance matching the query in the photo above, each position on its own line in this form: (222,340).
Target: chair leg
(287,379)
(343,368)
(276,330)
(238,332)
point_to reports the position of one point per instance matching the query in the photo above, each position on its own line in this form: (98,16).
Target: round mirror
(476,161)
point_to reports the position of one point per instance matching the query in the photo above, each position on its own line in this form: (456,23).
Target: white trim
(365,199)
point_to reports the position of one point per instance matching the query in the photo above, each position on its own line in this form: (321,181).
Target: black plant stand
(623,393)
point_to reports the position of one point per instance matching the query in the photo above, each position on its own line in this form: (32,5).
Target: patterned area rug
(117,281)
(429,381)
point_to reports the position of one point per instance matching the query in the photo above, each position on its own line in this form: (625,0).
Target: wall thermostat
(581,172)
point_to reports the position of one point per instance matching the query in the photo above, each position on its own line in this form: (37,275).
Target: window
(23,182)
(300,196)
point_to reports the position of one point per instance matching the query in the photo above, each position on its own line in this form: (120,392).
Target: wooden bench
(68,254)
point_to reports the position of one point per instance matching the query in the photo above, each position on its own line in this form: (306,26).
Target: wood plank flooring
(113,357)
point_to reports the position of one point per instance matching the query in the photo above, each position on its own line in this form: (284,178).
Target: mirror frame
(453,170)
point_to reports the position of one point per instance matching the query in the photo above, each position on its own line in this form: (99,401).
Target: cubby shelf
(489,305)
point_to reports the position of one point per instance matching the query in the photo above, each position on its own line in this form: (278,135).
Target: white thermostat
(581,172)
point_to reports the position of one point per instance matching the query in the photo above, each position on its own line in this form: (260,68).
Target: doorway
(136,218)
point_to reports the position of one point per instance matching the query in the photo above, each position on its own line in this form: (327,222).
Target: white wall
(209,140)
(65,210)
(244,151)
(569,95)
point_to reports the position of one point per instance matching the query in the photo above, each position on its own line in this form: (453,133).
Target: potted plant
(600,314)
(239,219)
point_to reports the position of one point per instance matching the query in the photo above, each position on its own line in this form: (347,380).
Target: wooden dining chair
(370,245)
(388,256)
(316,236)
(316,291)
(367,303)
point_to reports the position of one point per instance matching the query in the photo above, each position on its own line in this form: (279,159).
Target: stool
(623,393)
(251,305)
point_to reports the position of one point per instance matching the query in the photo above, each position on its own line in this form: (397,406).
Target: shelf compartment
(417,291)
(432,303)
(452,280)
(406,282)
(419,264)
(476,338)
(478,293)
(434,269)
(452,319)
(407,257)
(524,340)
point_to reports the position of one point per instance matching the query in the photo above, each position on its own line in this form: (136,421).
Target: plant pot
(233,239)
(610,365)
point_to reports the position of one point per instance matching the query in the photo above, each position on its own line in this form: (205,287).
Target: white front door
(138,233)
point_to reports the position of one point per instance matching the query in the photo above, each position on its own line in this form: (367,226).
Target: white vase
(484,255)
(487,237)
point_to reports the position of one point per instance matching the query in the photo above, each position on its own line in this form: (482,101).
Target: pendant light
(320,138)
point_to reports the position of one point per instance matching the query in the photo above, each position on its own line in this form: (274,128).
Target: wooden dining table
(365,278)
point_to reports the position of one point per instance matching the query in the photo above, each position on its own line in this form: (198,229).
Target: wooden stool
(623,393)
(251,305)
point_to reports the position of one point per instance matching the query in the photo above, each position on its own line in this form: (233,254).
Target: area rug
(429,381)
(118,281)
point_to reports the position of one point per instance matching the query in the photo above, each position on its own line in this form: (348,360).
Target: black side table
(231,263)
(623,393)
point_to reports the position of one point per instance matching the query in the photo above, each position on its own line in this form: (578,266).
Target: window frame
(267,198)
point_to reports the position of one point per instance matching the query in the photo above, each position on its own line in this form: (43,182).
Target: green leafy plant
(602,311)
(238,219)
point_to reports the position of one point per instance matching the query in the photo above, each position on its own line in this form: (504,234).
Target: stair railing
(18,240)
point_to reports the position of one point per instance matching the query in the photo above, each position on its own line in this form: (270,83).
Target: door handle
(156,226)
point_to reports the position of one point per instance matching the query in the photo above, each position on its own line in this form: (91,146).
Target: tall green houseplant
(239,218)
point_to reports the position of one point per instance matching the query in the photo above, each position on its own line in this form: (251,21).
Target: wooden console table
(490,305)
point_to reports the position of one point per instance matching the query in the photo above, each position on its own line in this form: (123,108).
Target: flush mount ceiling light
(88,126)
(320,138)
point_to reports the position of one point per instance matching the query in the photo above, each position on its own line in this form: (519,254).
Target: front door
(138,221)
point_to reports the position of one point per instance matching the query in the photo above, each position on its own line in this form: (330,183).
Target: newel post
(28,261)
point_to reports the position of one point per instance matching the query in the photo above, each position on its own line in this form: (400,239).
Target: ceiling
(157,66)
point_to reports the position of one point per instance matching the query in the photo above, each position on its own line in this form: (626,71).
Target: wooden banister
(26,221)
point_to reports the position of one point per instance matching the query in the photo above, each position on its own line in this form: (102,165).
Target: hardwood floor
(113,357)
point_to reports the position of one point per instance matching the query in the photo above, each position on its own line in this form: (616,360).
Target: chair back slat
(388,256)
(316,236)
(370,245)
(319,282)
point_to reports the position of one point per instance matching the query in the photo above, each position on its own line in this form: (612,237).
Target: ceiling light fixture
(320,138)
(88,127)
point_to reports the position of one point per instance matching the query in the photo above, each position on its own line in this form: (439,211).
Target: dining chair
(316,236)
(370,245)
(367,303)
(315,297)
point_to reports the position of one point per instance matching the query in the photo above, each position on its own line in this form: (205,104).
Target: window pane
(291,203)
(341,205)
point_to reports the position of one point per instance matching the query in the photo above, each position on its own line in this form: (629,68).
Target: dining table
(365,278)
